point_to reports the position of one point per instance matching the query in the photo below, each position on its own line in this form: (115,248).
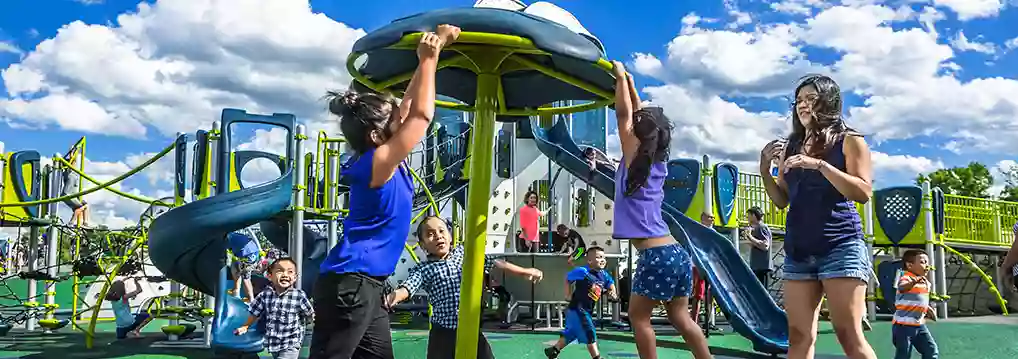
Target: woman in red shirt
(529,217)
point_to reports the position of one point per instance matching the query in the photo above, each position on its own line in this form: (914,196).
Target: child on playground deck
(440,275)
(584,287)
(381,132)
(529,219)
(128,324)
(284,310)
(912,305)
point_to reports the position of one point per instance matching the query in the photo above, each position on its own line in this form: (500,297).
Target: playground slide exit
(745,302)
(187,244)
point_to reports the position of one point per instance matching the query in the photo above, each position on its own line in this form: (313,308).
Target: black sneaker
(551,352)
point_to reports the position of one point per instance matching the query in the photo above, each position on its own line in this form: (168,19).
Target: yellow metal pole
(476,221)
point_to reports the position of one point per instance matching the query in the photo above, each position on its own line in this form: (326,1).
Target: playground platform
(969,338)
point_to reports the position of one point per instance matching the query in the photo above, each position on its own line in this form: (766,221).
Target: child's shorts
(138,320)
(579,327)
(243,269)
(663,273)
(848,259)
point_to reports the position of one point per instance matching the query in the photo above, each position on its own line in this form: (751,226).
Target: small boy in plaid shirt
(440,276)
(284,309)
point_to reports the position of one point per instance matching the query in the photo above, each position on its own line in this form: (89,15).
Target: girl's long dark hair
(829,124)
(654,130)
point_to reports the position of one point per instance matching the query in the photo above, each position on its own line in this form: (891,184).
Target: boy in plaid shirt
(440,276)
(284,309)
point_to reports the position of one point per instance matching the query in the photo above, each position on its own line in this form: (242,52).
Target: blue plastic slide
(747,304)
(187,244)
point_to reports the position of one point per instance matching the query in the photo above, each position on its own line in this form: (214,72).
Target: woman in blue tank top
(664,269)
(352,319)
(823,169)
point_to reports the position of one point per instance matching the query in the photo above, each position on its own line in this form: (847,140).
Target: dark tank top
(819,217)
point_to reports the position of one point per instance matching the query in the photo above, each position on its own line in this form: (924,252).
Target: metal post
(930,235)
(708,207)
(33,265)
(296,249)
(478,194)
(332,151)
(213,153)
(53,250)
(178,199)
(871,285)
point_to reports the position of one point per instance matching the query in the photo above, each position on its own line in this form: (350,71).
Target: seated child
(128,323)
(440,275)
(913,303)
(245,262)
(587,284)
(285,310)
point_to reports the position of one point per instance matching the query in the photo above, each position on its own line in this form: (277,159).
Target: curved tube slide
(747,304)
(188,245)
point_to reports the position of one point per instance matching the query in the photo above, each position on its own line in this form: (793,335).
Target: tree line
(973,180)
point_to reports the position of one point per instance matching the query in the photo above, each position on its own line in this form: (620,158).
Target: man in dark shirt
(570,240)
(760,238)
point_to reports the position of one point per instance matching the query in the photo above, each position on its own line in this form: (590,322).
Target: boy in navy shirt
(587,283)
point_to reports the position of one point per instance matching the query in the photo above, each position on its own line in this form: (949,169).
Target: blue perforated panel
(897,210)
(682,182)
(726,186)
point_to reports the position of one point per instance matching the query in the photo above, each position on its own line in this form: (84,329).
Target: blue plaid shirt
(441,279)
(285,315)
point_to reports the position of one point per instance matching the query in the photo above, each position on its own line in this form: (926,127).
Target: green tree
(1010,191)
(973,180)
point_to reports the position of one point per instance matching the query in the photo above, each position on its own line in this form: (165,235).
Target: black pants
(351,321)
(442,344)
(763,276)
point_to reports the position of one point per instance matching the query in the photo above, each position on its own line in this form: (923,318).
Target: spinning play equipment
(505,63)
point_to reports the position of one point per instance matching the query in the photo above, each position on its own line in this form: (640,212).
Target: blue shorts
(663,273)
(138,320)
(579,327)
(848,259)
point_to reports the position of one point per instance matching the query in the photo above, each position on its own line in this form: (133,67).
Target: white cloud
(173,65)
(962,43)
(972,9)
(1011,44)
(6,46)
(90,2)
(998,172)
(908,165)
(888,56)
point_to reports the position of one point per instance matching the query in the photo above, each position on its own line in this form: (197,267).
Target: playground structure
(517,67)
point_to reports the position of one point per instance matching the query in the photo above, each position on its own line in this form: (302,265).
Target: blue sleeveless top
(378,223)
(639,216)
(819,217)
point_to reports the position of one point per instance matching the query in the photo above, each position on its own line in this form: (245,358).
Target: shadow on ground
(72,346)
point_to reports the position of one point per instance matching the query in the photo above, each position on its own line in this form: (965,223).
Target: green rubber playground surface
(966,338)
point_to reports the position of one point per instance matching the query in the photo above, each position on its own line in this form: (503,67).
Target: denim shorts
(848,259)
(663,273)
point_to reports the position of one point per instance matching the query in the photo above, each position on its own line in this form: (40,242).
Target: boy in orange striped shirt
(912,304)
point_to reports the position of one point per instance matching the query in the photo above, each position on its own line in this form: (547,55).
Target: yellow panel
(13,214)
(234,181)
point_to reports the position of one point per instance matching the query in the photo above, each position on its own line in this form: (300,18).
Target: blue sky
(931,83)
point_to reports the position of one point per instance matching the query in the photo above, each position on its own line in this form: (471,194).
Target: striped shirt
(910,305)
